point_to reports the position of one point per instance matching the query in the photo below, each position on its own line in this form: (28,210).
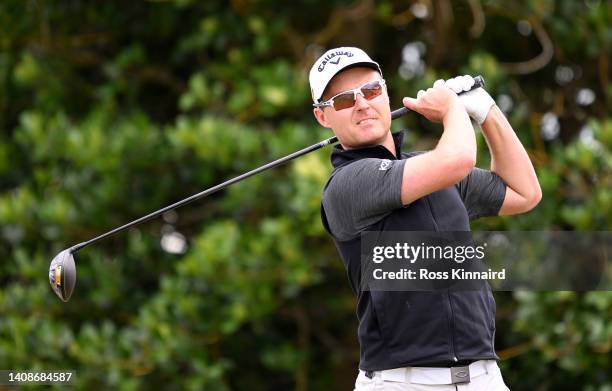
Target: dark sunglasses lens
(344,101)
(371,90)
(347,99)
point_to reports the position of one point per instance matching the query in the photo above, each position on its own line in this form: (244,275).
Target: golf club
(62,271)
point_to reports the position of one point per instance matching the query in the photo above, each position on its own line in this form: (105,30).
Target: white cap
(331,63)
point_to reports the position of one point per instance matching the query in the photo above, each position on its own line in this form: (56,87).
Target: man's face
(368,122)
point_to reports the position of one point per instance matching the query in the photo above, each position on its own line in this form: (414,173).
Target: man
(416,340)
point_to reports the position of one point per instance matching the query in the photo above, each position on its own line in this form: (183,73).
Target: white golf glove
(477,102)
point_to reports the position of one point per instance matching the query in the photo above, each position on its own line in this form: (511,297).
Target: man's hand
(433,104)
(477,102)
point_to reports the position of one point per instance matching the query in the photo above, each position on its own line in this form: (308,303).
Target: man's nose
(360,102)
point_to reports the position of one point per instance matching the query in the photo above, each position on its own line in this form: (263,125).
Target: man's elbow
(464,163)
(517,203)
(533,198)
(455,164)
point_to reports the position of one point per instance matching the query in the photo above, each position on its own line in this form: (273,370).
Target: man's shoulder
(343,173)
(355,165)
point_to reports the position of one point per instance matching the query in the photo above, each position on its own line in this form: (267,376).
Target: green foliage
(111,110)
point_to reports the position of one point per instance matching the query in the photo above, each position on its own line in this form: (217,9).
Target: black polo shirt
(398,329)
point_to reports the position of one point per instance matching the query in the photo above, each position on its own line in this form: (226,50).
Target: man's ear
(321,117)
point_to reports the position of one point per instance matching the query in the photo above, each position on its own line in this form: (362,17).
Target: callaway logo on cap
(331,63)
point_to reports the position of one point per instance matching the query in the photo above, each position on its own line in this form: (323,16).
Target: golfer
(416,340)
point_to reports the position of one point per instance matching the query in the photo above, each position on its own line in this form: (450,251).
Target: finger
(454,85)
(468,82)
(420,93)
(410,103)
(463,84)
(438,83)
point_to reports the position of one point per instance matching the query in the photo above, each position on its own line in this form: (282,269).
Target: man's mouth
(365,121)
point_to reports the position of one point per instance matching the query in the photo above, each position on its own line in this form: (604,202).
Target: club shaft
(209,191)
(394,115)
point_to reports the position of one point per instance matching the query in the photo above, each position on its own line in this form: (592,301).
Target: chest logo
(385,164)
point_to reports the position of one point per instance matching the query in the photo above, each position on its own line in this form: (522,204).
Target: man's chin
(372,136)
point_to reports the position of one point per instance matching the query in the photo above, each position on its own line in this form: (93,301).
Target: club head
(62,274)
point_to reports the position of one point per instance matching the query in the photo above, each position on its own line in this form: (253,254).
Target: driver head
(62,274)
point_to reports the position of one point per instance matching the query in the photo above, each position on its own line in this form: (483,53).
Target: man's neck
(388,143)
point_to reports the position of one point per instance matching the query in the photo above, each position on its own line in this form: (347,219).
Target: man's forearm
(508,156)
(458,133)
(455,154)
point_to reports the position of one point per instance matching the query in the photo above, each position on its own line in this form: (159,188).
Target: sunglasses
(347,99)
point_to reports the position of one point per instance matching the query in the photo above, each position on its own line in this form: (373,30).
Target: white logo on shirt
(384,165)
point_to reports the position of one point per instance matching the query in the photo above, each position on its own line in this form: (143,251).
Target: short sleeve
(361,194)
(482,192)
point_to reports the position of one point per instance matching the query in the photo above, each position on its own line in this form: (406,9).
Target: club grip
(478,82)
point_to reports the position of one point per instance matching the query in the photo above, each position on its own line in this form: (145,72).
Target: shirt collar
(340,156)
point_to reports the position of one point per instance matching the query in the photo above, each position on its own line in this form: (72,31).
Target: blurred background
(112,109)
